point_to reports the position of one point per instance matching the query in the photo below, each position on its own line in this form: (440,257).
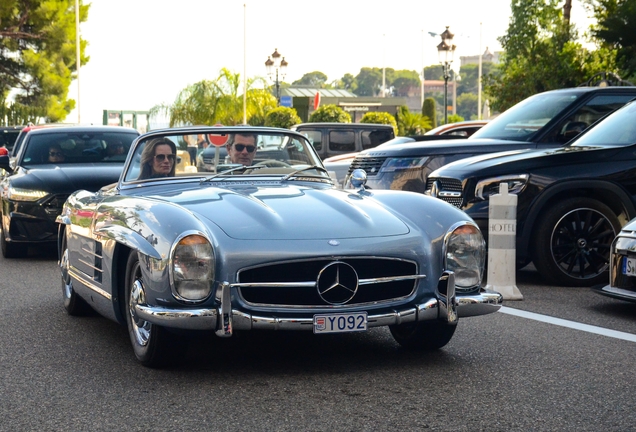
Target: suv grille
(446,185)
(308,271)
(370,164)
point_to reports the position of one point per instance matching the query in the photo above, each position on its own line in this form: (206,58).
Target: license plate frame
(629,266)
(340,323)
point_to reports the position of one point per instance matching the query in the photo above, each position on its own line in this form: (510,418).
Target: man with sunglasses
(241,148)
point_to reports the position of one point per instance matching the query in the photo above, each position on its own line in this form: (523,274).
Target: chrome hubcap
(140,328)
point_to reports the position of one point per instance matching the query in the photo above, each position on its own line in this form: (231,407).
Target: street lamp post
(446,50)
(276,70)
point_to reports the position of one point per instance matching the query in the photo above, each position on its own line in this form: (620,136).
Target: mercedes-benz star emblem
(337,283)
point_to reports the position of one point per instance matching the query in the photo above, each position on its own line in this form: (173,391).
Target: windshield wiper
(231,170)
(314,167)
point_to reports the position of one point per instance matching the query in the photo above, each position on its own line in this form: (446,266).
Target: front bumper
(225,320)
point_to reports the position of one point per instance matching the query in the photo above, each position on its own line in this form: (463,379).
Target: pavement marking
(570,324)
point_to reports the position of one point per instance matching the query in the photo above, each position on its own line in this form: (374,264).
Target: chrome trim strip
(77,276)
(208,319)
(87,264)
(313,284)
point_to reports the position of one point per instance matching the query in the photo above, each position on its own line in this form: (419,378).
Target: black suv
(545,120)
(572,201)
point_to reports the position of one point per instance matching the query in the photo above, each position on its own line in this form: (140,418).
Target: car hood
(446,146)
(281,212)
(67,178)
(523,160)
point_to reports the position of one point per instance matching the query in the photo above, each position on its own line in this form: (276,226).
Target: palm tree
(218,101)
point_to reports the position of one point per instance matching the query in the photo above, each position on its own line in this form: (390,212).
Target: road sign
(218,139)
(286,101)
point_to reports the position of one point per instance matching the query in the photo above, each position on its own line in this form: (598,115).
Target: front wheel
(154,346)
(572,242)
(74,304)
(10,249)
(424,335)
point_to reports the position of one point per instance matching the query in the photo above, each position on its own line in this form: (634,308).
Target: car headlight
(17,194)
(487,187)
(193,268)
(465,254)
(398,164)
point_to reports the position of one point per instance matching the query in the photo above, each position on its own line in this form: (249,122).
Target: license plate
(340,323)
(629,266)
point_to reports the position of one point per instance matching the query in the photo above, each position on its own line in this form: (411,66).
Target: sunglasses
(162,157)
(54,153)
(241,147)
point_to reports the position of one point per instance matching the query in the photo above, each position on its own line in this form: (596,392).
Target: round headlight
(465,255)
(193,268)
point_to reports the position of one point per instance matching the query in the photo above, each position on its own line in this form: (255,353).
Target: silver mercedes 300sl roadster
(264,240)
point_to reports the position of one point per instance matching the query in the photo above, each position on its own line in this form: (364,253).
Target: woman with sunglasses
(158,159)
(241,148)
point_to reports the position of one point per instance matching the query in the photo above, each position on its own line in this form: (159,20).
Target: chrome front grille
(297,287)
(441,184)
(370,164)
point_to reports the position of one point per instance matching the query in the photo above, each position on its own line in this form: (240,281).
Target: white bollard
(502,253)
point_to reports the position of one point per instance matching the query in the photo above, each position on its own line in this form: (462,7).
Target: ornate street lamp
(276,69)
(446,51)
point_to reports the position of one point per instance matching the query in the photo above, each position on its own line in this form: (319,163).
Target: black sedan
(53,163)
(572,201)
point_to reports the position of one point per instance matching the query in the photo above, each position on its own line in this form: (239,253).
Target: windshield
(248,152)
(524,120)
(77,147)
(619,129)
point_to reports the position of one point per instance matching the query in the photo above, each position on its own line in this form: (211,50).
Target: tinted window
(616,130)
(314,137)
(523,120)
(374,138)
(593,110)
(342,141)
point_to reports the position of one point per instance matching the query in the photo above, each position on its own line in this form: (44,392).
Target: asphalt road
(500,372)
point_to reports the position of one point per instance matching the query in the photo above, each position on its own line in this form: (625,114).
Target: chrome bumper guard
(225,320)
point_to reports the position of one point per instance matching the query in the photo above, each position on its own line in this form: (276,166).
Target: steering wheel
(273,163)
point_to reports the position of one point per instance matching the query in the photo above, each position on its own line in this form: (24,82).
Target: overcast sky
(143,52)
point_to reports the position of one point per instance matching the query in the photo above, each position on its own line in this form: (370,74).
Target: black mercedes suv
(572,200)
(545,120)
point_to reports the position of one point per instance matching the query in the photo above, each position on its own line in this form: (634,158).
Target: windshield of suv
(618,129)
(524,120)
(241,153)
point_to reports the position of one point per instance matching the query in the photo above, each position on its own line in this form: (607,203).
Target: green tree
(469,77)
(410,123)
(404,81)
(314,79)
(381,118)
(282,117)
(370,81)
(541,54)
(467,105)
(616,21)
(330,113)
(347,82)
(38,57)
(429,111)
(219,101)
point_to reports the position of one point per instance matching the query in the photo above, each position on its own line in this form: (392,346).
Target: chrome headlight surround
(488,187)
(393,164)
(192,267)
(19,194)
(465,254)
